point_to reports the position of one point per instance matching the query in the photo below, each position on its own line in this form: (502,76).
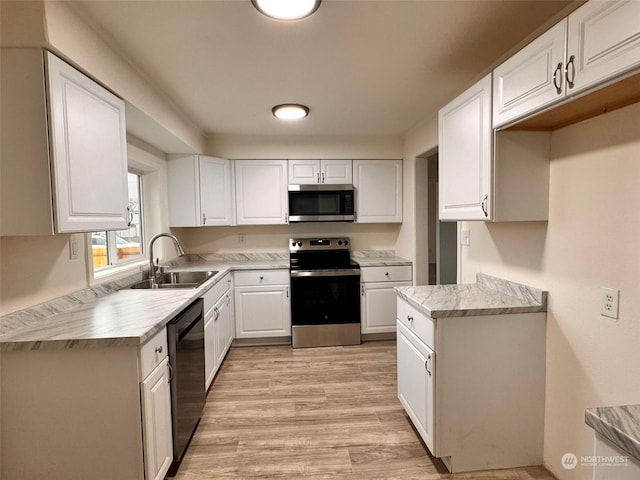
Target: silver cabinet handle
(170,373)
(204,218)
(318,175)
(409,318)
(557,71)
(286,218)
(217,311)
(287,291)
(426,364)
(362,290)
(130,215)
(386,274)
(570,63)
(483,205)
(228,299)
(322,177)
(261,278)
(159,349)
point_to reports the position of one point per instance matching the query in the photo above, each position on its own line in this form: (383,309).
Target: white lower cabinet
(98,413)
(378,297)
(416,381)
(156,422)
(480,406)
(262,304)
(218,326)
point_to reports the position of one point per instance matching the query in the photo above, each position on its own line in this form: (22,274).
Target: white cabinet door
(221,324)
(200,191)
(416,380)
(216,200)
(465,139)
(262,311)
(603,42)
(532,78)
(304,172)
(625,470)
(156,410)
(261,192)
(311,172)
(336,172)
(378,306)
(231,326)
(209,348)
(89,151)
(378,185)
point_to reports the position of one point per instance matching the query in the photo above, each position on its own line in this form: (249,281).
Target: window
(122,246)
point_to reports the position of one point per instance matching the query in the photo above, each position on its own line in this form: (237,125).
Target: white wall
(590,241)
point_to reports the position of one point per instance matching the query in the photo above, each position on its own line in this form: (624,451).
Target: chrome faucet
(152,267)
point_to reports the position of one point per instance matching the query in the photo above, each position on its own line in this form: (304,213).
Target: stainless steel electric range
(325,293)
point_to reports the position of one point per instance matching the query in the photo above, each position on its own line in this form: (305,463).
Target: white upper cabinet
(378,185)
(200,191)
(597,43)
(532,78)
(261,192)
(465,149)
(311,172)
(64,151)
(603,41)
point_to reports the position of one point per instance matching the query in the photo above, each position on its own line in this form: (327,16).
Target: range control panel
(303,244)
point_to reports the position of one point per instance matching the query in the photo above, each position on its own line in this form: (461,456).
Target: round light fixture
(286,9)
(290,111)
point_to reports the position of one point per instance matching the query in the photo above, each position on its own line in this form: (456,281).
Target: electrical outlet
(242,238)
(73,248)
(609,303)
(465,238)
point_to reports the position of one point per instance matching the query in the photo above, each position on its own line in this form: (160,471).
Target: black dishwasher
(186,357)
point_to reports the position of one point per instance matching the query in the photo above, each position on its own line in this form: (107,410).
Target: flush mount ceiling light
(286,9)
(290,111)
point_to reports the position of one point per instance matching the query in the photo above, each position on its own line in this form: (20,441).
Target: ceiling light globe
(286,9)
(290,111)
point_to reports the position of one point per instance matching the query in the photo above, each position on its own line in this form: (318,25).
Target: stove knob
(346,242)
(293,244)
(339,242)
(299,244)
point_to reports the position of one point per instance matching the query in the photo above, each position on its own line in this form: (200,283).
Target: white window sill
(111,273)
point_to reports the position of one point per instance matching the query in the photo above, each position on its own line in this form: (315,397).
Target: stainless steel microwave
(321,203)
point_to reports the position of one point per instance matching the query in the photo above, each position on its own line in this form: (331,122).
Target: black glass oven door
(325,300)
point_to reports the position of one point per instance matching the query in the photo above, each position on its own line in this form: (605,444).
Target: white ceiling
(363,67)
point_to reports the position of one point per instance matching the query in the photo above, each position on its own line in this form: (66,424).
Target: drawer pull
(159,349)
(387,274)
(261,278)
(217,312)
(409,319)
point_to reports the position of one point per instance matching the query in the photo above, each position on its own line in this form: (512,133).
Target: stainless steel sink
(177,279)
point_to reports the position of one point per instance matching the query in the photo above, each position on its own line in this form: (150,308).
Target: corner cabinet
(64,151)
(200,191)
(261,192)
(378,185)
(465,148)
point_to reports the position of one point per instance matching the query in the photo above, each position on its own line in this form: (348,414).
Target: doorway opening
(436,241)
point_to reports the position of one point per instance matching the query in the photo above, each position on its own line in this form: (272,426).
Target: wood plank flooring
(316,413)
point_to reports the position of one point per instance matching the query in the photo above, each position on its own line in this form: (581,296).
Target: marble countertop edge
(620,425)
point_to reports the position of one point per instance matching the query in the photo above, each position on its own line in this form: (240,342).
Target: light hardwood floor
(317,413)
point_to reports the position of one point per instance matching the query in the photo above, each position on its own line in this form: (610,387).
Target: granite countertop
(111,315)
(488,296)
(620,425)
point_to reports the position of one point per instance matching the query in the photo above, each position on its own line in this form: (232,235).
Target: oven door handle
(325,273)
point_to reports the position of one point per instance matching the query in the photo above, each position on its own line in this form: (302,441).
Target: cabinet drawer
(152,352)
(395,273)
(261,277)
(420,324)
(218,290)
